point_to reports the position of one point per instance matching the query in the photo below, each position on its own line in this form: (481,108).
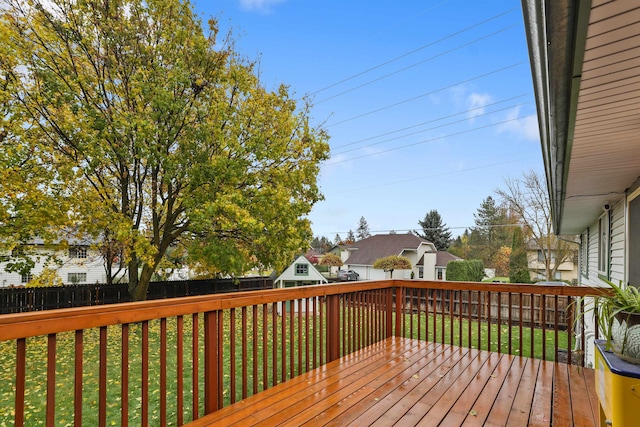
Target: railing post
(389,313)
(399,310)
(210,362)
(333,327)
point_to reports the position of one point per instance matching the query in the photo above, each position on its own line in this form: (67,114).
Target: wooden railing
(166,362)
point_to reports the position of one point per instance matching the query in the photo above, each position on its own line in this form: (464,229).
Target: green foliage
(465,271)
(350,237)
(47,278)
(457,271)
(490,233)
(321,244)
(475,270)
(518,266)
(435,231)
(136,127)
(392,262)
(330,259)
(620,300)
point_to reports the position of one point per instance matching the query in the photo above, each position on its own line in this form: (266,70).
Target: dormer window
(78,252)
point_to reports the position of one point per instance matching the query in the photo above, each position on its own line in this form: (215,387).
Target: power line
(430,121)
(426,130)
(414,65)
(411,52)
(430,176)
(425,94)
(428,140)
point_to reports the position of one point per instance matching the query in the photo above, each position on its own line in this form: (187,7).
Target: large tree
(434,230)
(528,198)
(492,230)
(363,229)
(518,265)
(330,260)
(153,133)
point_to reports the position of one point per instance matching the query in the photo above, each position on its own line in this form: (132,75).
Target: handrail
(24,325)
(235,342)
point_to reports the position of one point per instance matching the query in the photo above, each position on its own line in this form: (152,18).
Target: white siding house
(586,73)
(299,273)
(76,265)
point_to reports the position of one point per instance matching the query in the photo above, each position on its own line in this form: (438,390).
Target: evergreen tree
(518,268)
(363,229)
(337,240)
(435,231)
(350,237)
(491,231)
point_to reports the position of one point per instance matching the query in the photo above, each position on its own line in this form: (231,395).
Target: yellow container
(618,388)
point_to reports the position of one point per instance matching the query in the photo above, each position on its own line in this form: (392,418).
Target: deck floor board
(406,382)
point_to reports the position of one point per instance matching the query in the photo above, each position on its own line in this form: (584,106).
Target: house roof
(443,258)
(289,272)
(367,251)
(585,60)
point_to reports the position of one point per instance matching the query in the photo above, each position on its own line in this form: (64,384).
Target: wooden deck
(406,382)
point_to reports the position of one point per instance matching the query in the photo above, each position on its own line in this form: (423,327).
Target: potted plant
(618,317)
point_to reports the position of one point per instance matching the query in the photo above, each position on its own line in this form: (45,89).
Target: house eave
(556,34)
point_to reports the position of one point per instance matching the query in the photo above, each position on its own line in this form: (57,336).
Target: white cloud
(259,5)
(525,127)
(476,103)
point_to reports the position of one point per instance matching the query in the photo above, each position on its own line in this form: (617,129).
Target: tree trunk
(133,279)
(140,292)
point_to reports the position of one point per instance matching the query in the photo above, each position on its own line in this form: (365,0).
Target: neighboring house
(585,58)
(421,253)
(300,273)
(313,256)
(442,259)
(340,250)
(77,264)
(566,271)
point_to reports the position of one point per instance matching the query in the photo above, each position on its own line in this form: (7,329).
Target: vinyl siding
(618,228)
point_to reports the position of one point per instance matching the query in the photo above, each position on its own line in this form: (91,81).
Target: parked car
(347,275)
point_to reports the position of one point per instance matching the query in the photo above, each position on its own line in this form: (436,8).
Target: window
(439,274)
(541,256)
(603,244)
(26,278)
(76,278)
(78,252)
(302,269)
(420,272)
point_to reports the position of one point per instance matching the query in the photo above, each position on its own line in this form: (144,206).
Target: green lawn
(37,350)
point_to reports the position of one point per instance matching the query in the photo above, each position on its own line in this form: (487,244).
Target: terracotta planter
(625,335)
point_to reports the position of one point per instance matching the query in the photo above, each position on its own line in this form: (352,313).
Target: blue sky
(429,104)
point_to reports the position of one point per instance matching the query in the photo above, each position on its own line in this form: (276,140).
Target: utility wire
(412,52)
(429,121)
(414,64)
(420,178)
(386,107)
(428,129)
(428,140)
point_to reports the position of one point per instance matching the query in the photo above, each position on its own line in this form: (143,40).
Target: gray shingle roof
(380,246)
(443,258)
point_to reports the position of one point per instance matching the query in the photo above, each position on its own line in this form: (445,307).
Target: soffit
(605,151)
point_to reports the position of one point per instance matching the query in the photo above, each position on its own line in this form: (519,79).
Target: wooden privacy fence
(530,308)
(23,299)
(169,361)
